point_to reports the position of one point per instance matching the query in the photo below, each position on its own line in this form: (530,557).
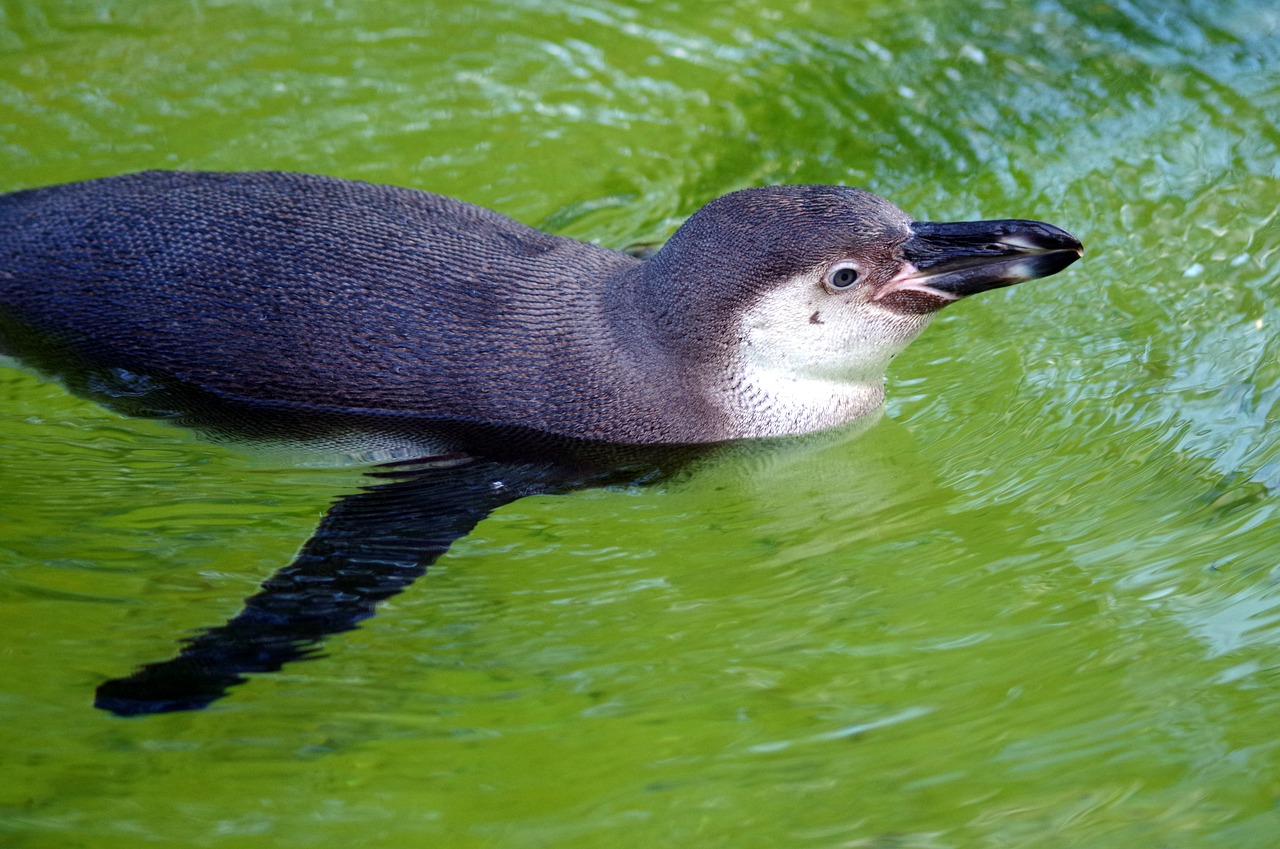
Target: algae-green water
(1036,605)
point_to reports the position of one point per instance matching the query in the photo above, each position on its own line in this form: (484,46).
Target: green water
(1038,605)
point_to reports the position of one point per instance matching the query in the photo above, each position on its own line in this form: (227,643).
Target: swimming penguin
(512,361)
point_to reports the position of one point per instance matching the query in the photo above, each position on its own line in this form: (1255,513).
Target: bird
(490,359)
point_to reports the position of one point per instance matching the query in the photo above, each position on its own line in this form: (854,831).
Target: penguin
(497,360)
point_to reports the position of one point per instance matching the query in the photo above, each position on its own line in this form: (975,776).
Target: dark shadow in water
(370,546)
(374,543)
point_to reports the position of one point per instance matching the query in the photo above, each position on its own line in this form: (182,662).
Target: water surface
(1037,605)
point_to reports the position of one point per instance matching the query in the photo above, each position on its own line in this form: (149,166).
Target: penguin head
(829,283)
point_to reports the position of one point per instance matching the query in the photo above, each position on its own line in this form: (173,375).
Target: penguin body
(313,294)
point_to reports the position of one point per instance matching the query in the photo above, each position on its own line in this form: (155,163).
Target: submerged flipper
(369,546)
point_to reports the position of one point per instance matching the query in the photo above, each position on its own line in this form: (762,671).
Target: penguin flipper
(368,547)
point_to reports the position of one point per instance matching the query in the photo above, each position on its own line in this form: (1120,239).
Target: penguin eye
(842,275)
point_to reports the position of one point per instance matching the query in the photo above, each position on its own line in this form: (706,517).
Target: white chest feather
(808,360)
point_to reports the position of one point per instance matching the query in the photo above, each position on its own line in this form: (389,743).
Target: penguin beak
(961,259)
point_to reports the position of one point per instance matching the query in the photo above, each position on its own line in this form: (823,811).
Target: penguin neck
(706,362)
(761,403)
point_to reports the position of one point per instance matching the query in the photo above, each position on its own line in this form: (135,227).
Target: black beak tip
(1047,237)
(1061,249)
(1057,259)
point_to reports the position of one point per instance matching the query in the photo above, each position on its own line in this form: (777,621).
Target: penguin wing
(370,546)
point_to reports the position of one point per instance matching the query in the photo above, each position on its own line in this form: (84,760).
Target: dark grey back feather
(320,294)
